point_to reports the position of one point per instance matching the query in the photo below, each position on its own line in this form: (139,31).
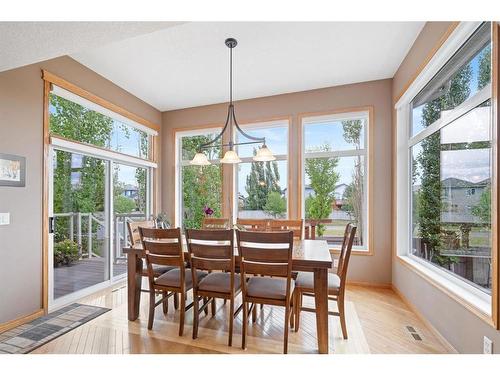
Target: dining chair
(260,225)
(215,223)
(213,251)
(270,255)
(304,284)
(284,225)
(134,237)
(163,247)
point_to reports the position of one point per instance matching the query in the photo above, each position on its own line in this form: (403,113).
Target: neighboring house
(130,191)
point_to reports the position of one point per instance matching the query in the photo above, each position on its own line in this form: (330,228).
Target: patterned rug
(29,336)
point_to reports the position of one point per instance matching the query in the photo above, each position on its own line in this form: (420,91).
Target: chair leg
(183,313)
(165,303)
(298,307)
(340,304)
(152,300)
(245,323)
(213,306)
(254,313)
(196,316)
(285,338)
(292,310)
(205,299)
(176,301)
(231,321)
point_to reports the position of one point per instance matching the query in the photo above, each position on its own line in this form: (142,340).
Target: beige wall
(462,328)
(21,119)
(374,269)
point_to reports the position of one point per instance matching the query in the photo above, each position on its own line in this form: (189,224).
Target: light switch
(4,218)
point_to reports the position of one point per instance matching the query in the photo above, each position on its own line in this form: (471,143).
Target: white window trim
(354,115)
(452,284)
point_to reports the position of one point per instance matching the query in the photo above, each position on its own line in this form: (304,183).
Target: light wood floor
(377,321)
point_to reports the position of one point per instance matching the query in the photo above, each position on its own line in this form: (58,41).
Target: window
(96,126)
(199,187)
(451,166)
(261,187)
(335,175)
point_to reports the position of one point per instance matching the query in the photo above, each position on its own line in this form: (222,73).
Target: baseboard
(17,322)
(369,284)
(450,348)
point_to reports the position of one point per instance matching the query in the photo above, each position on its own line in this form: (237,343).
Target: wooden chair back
(215,223)
(133,231)
(162,247)
(211,249)
(288,225)
(345,252)
(259,225)
(265,253)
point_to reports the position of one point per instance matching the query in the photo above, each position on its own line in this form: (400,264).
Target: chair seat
(173,278)
(157,269)
(268,288)
(219,282)
(305,281)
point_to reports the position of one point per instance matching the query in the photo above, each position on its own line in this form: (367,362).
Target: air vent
(414,333)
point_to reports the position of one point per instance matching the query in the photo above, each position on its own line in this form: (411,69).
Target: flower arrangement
(208,211)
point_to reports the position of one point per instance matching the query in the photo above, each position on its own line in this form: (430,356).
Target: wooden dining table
(308,255)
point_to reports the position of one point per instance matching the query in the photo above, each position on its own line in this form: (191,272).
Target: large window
(261,187)
(451,165)
(199,187)
(335,175)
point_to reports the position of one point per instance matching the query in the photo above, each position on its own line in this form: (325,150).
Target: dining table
(308,256)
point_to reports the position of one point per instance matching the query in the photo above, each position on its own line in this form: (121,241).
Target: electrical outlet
(335,263)
(4,218)
(487,345)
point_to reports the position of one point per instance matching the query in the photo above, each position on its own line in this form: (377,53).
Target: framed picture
(12,170)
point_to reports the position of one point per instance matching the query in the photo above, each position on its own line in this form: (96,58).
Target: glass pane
(335,193)
(468,71)
(451,198)
(73,121)
(201,189)
(276,140)
(190,146)
(262,190)
(81,253)
(129,204)
(335,135)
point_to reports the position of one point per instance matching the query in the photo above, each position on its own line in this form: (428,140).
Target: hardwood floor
(377,321)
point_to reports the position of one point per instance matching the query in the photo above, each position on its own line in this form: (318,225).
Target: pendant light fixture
(231,157)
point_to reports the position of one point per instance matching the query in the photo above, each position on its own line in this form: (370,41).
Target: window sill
(336,251)
(474,301)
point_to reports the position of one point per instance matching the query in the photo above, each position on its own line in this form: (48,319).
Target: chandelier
(231,157)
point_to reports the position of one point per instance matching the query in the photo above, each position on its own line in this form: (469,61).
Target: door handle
(51,224)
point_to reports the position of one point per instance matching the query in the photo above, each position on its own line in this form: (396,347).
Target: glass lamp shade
(264,154)
(200,159)
(230,157)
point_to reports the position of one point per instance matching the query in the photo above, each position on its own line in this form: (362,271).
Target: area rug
(29,336)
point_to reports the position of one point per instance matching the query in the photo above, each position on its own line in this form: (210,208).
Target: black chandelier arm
(211,143)
(258,139)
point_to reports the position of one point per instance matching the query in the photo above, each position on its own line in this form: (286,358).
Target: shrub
(65,253)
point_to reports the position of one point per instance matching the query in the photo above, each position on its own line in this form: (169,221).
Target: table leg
(321,301)
(313,232)
(134,281)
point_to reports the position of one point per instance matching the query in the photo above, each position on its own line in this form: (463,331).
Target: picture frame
(12,170)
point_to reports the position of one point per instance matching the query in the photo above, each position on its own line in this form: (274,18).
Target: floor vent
(414,333)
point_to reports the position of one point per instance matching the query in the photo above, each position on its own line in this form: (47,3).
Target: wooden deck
(377,321)
(82,274)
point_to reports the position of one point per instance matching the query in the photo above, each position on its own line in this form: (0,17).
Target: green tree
(263,179)
(123,205)
(275,205)
(324,178)
(483,208)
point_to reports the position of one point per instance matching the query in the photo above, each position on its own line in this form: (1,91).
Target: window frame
(263,124)
(475,300)
(346,113)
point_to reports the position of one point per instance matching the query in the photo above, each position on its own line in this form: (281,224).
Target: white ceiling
(187,65)
(23,43)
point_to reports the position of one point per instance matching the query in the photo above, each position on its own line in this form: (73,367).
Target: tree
(321,172)
(275,205)
(123,205)
(354,194)
(261,181)
(483,208)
